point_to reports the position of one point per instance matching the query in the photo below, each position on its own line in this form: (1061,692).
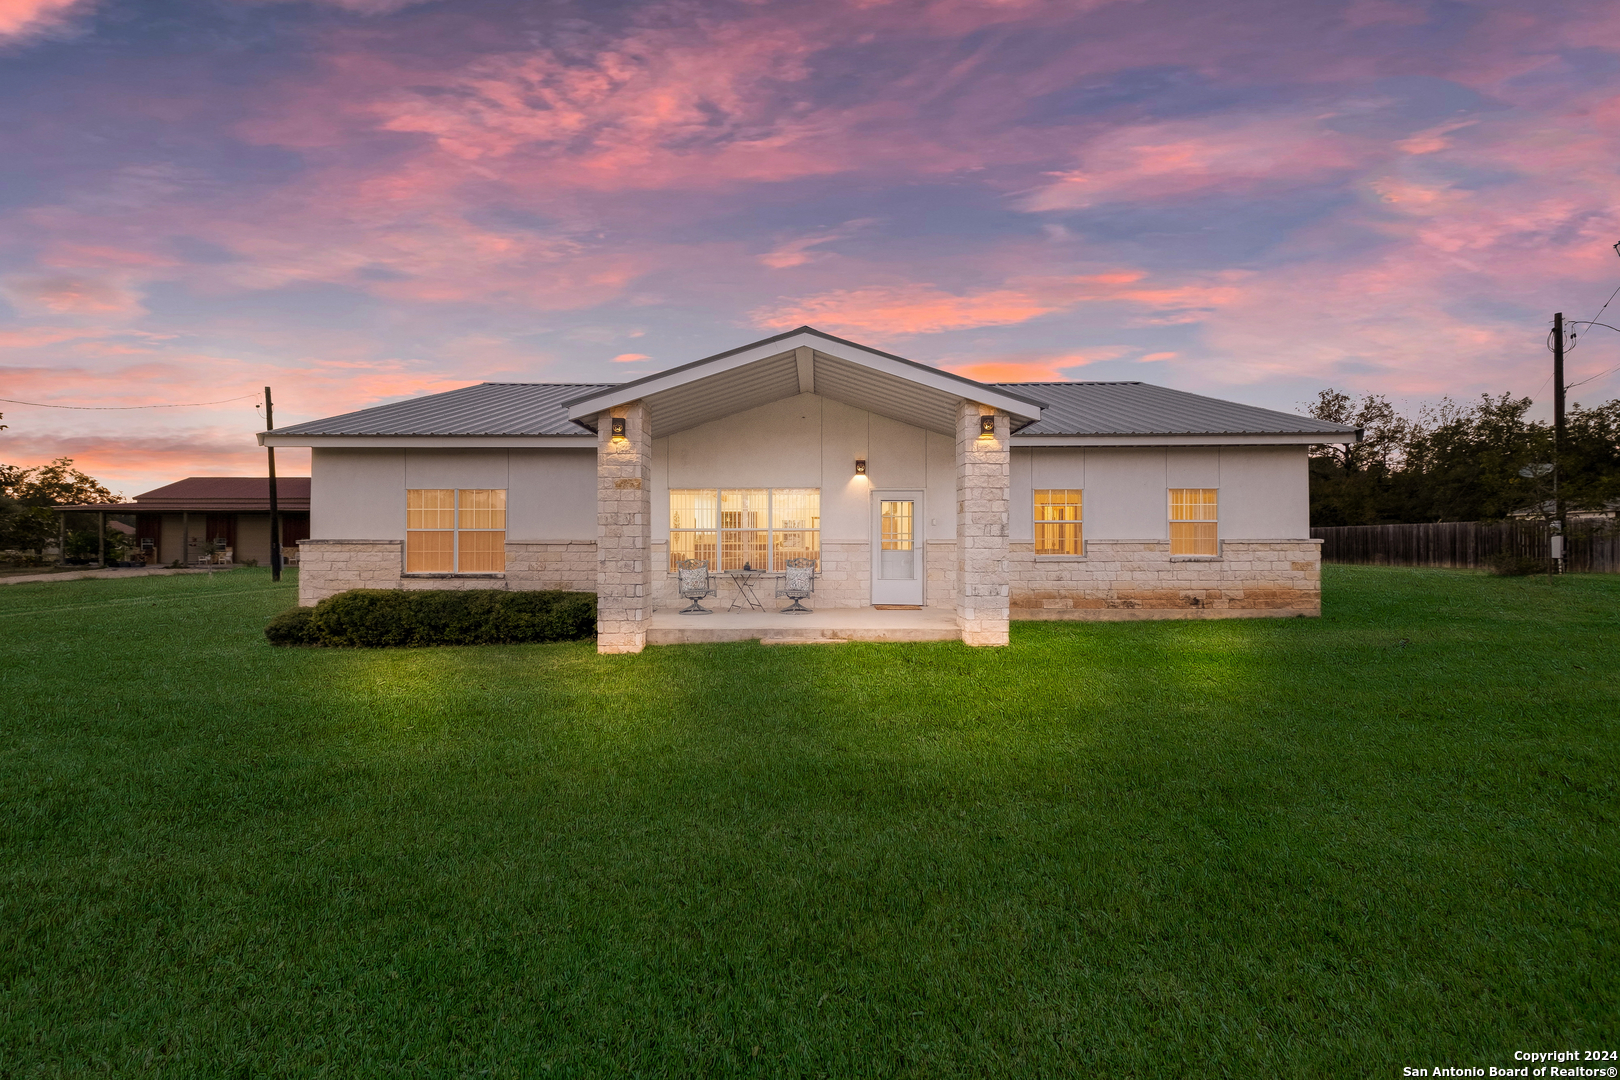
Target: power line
(124,408)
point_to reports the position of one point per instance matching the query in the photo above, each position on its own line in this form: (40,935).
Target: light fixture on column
(860,466)
(987,426)
(618,427)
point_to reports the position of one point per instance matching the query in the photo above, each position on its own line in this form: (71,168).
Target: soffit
(753,375)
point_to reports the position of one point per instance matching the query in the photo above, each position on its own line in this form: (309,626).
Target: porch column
(623,530)
(983,483)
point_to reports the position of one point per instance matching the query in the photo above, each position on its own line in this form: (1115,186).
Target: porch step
(804,641)
(825,626)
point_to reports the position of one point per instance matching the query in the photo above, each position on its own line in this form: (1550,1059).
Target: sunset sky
(358,200)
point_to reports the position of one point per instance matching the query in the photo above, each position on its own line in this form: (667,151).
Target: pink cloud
(630,358)
(799,251)
(72,294)
(1033,369)
(1157,161)
(927,309)
(21,18)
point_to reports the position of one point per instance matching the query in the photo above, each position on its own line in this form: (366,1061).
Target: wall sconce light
(987,426)
(618,427)
(860,466)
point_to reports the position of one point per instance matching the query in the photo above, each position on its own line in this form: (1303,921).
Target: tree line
(1453,462)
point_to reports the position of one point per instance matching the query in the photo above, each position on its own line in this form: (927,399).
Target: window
(455,531)
(761,528)
(1057,522)
(1192,521)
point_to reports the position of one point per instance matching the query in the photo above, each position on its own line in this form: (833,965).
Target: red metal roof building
(214,519)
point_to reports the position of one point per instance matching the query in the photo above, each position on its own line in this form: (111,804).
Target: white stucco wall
(357,494)
(1264,490)
(360,494)
(810,441)
(551,495)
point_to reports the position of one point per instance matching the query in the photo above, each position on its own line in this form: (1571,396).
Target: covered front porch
(823,626)
(804,443)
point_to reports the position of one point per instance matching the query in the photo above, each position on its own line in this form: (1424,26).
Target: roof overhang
(798,362)
(1283,438)
(439,442)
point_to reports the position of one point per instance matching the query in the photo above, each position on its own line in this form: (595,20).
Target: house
(212,517)
(910,486)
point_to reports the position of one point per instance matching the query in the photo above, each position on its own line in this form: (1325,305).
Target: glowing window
(730,528)
(1192,522)
(455,530)
(1058,520)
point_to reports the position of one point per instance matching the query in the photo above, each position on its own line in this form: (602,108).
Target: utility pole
(275,513)
(1558,413)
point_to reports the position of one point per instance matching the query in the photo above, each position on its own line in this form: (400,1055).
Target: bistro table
(743,580)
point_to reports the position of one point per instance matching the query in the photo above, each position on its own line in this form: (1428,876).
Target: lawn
(1239,848)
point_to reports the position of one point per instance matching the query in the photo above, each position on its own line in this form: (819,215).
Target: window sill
(420,575)
(1060,558)
(1195,558)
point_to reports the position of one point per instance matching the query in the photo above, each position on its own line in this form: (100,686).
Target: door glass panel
(897,556)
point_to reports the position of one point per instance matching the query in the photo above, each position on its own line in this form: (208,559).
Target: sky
(354,201)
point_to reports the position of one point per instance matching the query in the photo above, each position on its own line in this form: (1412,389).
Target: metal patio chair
(798,582)
(695,584)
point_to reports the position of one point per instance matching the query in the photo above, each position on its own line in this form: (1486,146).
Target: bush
(380,618)
(295,626)
(1506,564)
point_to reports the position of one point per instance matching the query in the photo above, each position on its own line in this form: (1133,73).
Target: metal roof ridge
(806,329)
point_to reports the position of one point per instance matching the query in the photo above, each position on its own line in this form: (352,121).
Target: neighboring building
(909,485)
(210,517)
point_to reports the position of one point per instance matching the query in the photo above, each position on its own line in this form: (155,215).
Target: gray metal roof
(1138,408)
(485,409)
(1071,408)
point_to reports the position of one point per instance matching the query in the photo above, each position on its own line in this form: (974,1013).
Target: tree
(1460,462)
(1351,484)
(26,495)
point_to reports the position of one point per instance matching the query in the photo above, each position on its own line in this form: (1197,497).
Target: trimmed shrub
(1509,565)
(292,627)
(384,618)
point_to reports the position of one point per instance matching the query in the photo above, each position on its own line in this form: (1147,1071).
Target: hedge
(380,618)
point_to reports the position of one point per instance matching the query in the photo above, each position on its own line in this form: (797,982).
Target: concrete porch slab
(822,626)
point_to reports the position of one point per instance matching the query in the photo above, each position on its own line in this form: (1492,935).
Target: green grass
(1230,848)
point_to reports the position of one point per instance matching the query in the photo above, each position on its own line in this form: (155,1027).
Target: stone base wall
(552,564)
(845,580)
(846,575)
(939,563)
(327,567)
(1122,579)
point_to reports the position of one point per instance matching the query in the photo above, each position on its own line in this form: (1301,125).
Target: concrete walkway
(80,575)
(824,626)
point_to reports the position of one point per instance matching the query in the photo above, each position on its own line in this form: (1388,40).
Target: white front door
(897,547)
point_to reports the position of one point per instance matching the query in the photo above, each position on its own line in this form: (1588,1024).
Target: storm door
(897,548)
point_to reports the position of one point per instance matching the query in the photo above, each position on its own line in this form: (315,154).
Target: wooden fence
(1587,548)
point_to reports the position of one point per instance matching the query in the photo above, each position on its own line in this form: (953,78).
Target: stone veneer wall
(1133,579)
(327,567)
(982,484)
(552,564)
(939,563)
(624,530)
(845,580)
(333,566)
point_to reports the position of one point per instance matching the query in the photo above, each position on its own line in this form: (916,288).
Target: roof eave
(583,410)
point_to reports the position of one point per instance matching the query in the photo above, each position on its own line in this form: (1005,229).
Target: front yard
(1238,848)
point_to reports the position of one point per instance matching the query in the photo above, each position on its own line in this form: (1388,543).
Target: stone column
(983,489)
(623,530)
